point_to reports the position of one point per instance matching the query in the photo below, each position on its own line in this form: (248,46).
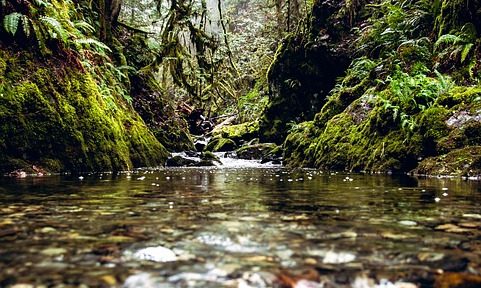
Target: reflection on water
(245,227)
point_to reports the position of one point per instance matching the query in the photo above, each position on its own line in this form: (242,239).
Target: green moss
(432,127)
(460,95)
(220,144)
(174,137)
(354,140)
(464,161)
(255,151)
(397,103)
(60,118)
(240,132)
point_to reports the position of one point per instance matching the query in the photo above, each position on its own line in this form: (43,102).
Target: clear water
(236,227)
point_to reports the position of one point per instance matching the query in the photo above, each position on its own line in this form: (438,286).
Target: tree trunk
(109,11)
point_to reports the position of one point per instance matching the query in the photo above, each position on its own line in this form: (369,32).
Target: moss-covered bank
(62,117)
(409,99)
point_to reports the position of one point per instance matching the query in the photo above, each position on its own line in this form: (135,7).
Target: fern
(94,44)
(57,29)
(26,25)
(84,26)
(11,22)
(39,36)
(465,52)
(447,39)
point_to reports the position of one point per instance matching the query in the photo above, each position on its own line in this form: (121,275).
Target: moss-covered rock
(240,133)
(209,156)
(368,135)
(220,144)
(229,138)
(307,65)
(255,151)
(397,103)
(465,161)
(174,136)
(179,161)
(61,118)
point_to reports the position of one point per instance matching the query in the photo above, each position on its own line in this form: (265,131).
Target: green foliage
(93,44)
(359,70)
(393,24)
(84,27)
(458,46)
(408,95)
(41,3)
(54,28)
(51,23)
(11,22)
(252,104)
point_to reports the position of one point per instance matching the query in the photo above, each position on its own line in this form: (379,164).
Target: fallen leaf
(109,279)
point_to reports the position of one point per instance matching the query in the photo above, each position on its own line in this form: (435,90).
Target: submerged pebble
(156,254)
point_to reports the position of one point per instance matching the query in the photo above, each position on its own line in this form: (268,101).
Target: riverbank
(404,101)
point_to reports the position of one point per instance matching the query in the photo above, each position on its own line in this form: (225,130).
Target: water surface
(237,227)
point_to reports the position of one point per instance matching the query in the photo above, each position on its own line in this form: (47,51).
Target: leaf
(26,25)
(465,52)
(97,45)
(84,26)
(56,27)
(10,22)
(447,39)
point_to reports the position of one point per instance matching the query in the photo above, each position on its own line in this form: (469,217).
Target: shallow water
(237,227)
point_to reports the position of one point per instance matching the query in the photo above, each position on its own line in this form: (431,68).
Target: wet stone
(452,228)
(156,254)
(53,251)
(179,161)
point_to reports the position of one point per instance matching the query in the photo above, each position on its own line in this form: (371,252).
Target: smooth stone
(156,254)
(408,223)
(53,251)
(333,257)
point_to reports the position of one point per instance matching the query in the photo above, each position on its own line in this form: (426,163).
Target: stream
(239,225)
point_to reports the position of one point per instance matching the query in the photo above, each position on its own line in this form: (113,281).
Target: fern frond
(40,37)
(84,26)
(94,44)
(447,39)
(57,29)
(26,25)
(465,52)
(11,21)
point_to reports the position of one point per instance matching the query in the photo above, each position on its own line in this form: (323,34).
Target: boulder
(255,151)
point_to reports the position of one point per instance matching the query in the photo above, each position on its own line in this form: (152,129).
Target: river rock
(209,156)
(179,161)
(156,254)
(220,144)
(255,151)
(200,143)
